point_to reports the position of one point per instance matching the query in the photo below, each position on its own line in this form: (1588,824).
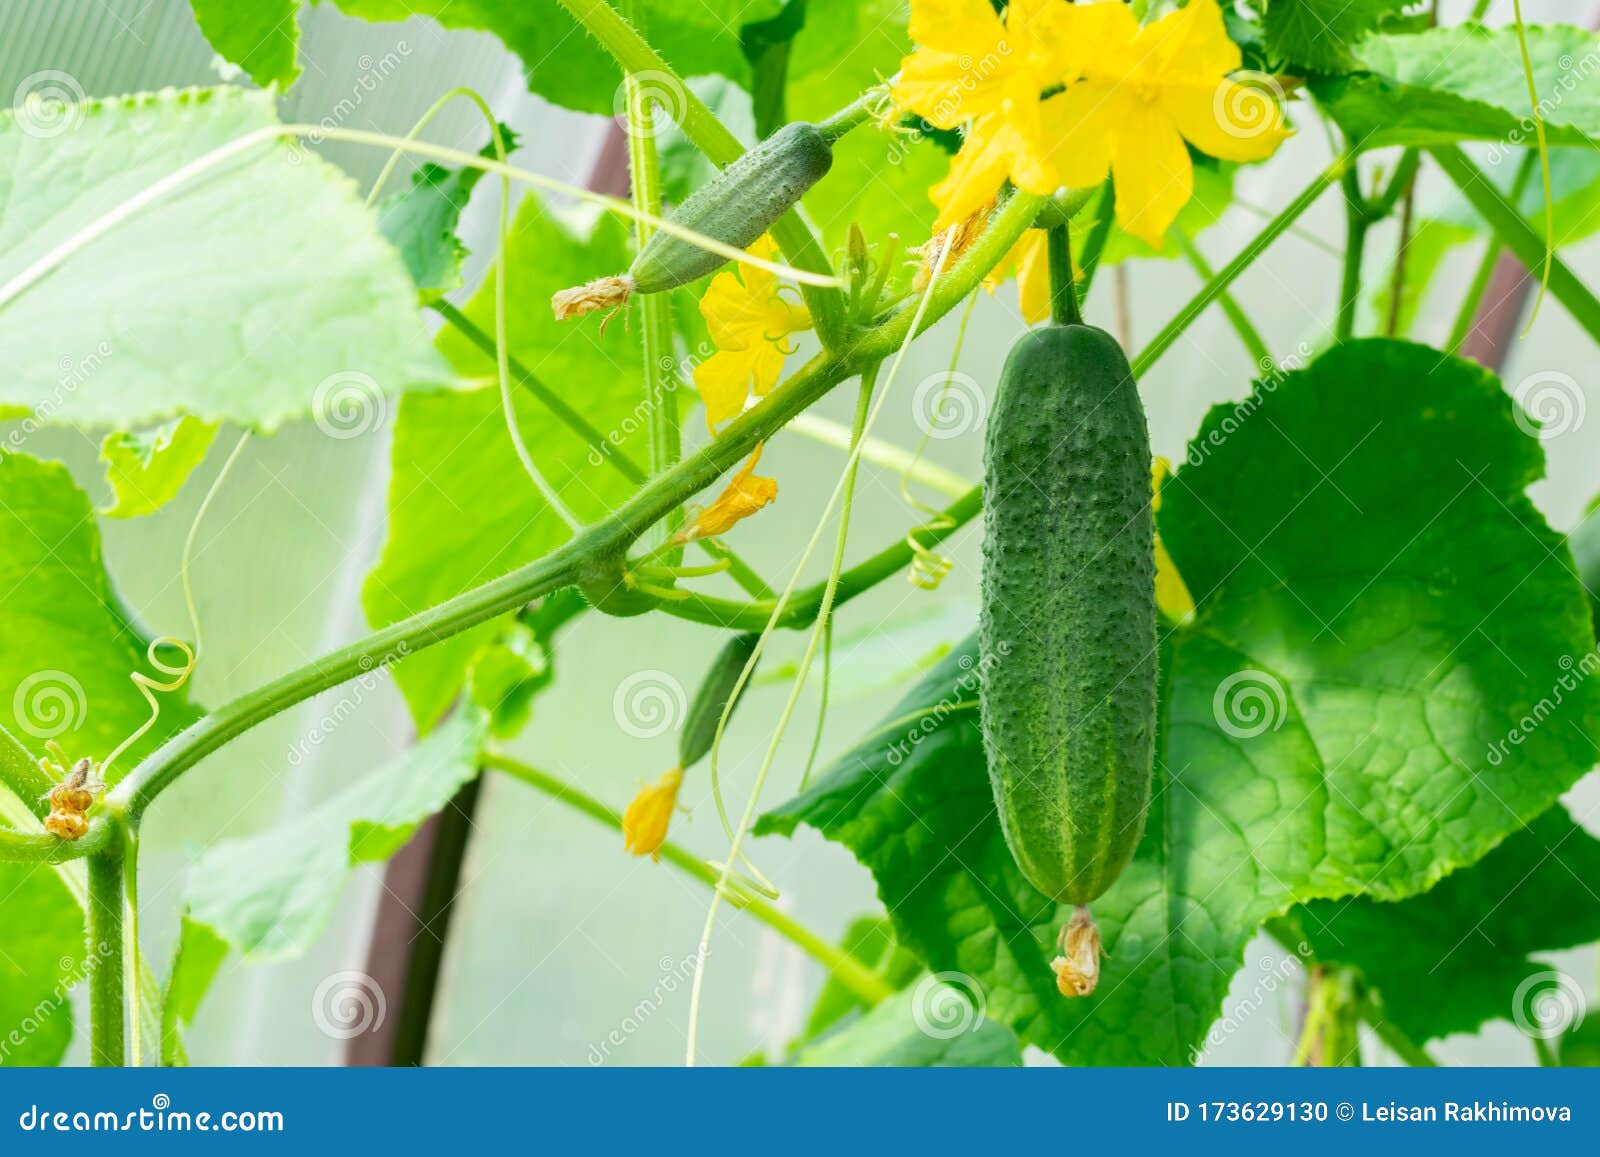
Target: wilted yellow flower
(750,322)
(1172,595)
(1135,95)
(971,68)
(645,823)
(1077,969)
(744,495)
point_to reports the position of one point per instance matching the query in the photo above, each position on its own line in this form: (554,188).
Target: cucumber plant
(1361,735)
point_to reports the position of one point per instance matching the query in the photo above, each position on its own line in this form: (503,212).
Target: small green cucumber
(735,207)
(705,712)
(1068,628)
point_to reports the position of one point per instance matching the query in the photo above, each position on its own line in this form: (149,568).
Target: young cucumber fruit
(735,207)
(1068,628)
(716,689)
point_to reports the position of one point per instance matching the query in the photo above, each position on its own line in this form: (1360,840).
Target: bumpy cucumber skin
(736,207)
(705,712)
(1068,631)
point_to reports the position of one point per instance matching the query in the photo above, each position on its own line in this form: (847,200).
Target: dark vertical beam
(411,929)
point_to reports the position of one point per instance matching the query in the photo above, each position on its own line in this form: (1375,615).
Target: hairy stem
(1242,325)
(107,1014)
(847,969)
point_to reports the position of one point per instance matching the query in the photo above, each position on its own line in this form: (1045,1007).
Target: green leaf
(270,895)
(568,67)
(506,674)
(932,1024)
(1319,35)
(1326,718)
(1580,1047)
(65,655)
(1455,957)
(1466,82)
(260,36)
(146,470)
(229,299)
(871,940)
(195,963)
(461,509)
(421,222)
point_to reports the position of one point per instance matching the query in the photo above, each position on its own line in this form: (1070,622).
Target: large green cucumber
(735,207)
(1068,630)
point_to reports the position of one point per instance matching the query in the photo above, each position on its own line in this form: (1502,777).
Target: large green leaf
(1466,82)
(933,1023)
(260,36)
(246,294)
(65,655)
(1457,956)
(461,509)
(1376,601)
(568,67)
(270,895)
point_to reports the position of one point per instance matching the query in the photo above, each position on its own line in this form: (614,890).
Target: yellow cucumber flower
(645,823)
(1135,95)
(750,322)
(745,495)
(971,68)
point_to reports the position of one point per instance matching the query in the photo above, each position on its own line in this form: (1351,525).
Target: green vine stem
(1518,236)
(1481,277)
(1063,292)
(721,147)
(1242,325)
(846,968)
(105,948)
(605,540)
(1214,288)
(1357,220)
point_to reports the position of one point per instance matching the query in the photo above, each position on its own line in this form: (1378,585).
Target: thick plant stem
(721,147)
(847,969)
(105,948)
(1518,236)
(1063,292)
(1357,220)
(1229,273)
